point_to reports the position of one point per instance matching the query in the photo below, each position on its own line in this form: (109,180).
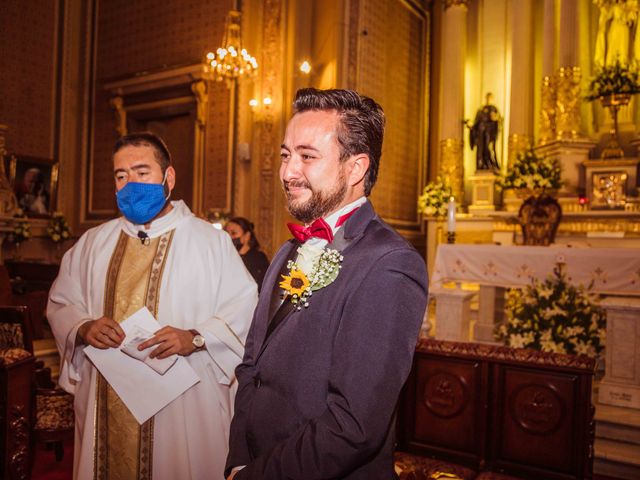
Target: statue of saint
(614,42)
(483,134)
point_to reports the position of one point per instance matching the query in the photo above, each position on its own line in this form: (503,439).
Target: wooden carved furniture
(520,413)
(16,374)
(539,217)
(16,389)
(52,419)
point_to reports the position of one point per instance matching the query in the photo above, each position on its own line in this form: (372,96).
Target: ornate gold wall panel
(459,3)
(392,69)
(547,110)
(568,99)
(268,130)
(517,144)
(452,165)
(146,36)
(29,75)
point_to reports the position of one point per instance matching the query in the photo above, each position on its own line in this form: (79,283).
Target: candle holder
(614,102)
(451,237)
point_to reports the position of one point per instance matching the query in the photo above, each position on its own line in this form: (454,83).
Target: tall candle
(451,215)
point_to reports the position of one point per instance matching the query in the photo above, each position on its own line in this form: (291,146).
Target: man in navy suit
(333,335)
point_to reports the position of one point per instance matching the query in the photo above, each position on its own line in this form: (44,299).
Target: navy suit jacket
(316,397)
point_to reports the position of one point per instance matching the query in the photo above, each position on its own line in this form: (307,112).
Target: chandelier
(231,61)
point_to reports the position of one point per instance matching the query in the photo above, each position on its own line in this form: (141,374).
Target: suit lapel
(280,311)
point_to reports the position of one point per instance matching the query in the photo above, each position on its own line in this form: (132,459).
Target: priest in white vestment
(189,275)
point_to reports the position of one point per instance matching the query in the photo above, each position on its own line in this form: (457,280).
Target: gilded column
(547,120)
(568,76)
(454,45)
(521,102)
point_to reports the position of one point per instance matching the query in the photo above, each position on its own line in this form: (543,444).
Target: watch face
(198,341)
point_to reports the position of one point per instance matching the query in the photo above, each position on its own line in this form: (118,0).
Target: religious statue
(614,42)
(483,134)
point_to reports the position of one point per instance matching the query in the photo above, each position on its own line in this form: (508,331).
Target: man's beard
(320,203)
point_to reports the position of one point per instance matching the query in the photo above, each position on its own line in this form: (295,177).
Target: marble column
(521,102)
(454,46)
(621,383)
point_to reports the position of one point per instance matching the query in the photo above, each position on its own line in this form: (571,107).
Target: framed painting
(35,183)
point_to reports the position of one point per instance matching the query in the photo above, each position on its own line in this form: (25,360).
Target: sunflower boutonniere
(322,267)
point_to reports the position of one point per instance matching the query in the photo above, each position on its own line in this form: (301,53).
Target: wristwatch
(198,340)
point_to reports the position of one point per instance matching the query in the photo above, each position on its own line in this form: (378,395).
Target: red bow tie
(318,229)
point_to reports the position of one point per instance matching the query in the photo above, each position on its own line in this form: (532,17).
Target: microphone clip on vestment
(144,238)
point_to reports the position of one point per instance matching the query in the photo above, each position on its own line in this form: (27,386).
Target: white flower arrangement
(614,80)
(435,198)
(314,269)
(554,316)
(22,228)
(529,171)
(58,229)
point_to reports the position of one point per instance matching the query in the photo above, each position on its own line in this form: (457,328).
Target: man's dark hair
(246,226)
(146,139)
(361,127)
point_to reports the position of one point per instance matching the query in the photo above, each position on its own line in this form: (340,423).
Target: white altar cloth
(610,270)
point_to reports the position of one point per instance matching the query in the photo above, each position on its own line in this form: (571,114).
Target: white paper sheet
(141,389)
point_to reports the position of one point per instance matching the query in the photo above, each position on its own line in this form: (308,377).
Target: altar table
(610,271)
(613,271)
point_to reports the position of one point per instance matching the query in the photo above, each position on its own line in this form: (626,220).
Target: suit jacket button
(257,382)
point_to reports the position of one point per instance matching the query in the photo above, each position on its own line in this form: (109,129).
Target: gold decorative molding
(268,129)
(452,165)
(517,144)
(585,222)
(568,101)
(8,201)
(117,103)
(201,93)
(456,3)
(547,111)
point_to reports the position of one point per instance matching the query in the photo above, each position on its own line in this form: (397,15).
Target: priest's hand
(101,333)
(170,340)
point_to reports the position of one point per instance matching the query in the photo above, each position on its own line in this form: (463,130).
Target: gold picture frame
(34,181)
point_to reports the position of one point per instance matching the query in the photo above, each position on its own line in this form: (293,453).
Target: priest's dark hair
(361,127)
(246,226)
(146,139)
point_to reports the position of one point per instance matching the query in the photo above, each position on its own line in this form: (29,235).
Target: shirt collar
(333,218)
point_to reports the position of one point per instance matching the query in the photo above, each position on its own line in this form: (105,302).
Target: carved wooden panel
(451,403)
(28,74)
(392,68)
(518,411)
(538,419)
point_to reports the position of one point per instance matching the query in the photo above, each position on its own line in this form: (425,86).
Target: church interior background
(77,74)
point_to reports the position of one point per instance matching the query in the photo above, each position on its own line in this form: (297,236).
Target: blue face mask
(141,202)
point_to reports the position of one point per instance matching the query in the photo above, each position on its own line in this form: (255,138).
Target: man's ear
(171,178)
(359,165)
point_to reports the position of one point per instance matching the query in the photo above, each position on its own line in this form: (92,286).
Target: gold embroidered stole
(123,449)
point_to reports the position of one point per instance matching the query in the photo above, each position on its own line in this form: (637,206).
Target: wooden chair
(539,218)
(53,415)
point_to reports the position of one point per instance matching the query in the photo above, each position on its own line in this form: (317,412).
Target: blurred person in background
(241,231)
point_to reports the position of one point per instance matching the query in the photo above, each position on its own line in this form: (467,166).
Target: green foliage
(554,316)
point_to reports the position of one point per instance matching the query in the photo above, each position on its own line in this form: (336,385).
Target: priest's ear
(170,178)
(357,167)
